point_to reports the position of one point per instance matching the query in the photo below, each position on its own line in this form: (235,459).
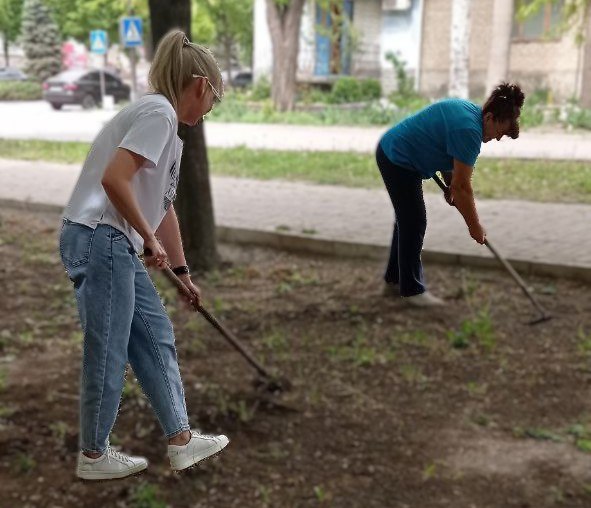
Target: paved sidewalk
(547,237)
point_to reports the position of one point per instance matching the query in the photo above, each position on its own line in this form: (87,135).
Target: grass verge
(532,180)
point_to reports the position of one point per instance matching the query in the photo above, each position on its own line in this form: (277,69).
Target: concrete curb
(337,248)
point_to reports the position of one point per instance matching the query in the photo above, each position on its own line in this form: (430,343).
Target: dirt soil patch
(463,406)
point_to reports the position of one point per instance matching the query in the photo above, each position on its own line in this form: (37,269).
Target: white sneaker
(199,448)
(425,299)
(109,466)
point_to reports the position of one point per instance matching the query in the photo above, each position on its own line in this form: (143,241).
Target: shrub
(372,89)
(531,116)
(20,91)
(346,90)
(405,83)
(312,95)
(261,89)
(541,96)
(578,117)
(409,102)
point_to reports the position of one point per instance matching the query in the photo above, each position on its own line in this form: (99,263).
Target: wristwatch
(181,270)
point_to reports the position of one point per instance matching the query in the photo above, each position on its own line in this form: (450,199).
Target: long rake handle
(229,336)
(503,261)
(515,276)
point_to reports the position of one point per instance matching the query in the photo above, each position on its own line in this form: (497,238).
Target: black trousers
(405,188)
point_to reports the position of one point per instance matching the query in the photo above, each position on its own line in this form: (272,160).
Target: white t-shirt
(148,128)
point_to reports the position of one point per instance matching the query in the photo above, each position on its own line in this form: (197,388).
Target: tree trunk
(586,78)
(228,56)
(194,203)
(460,49)
(500,50)
(284,27)
(6,50)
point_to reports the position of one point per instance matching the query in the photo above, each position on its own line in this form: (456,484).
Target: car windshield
(68,76)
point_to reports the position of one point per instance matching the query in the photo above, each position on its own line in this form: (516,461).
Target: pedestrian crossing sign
(131,31)
(98,42)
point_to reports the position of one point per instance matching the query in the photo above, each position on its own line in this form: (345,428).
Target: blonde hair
(176,62)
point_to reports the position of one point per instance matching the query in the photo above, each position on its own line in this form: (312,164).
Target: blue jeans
(123,320)
(405,188)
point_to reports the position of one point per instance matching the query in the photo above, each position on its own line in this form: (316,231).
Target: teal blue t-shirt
(431,139)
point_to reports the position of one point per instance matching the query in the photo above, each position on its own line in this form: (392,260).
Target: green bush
(410,102)
(405,83)
(313,95)
(371,89)
(531,116)
(578,117)
(532,113)
(541,96)
(261,90)
(347,89)
(20,91)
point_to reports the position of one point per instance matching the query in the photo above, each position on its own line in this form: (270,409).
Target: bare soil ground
(463,406)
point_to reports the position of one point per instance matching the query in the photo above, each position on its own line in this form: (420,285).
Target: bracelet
(181,270)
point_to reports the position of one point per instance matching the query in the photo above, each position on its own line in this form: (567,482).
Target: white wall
(379,32)
(263,49)
(367,22)
(262,60)
(401,33)
(307,54)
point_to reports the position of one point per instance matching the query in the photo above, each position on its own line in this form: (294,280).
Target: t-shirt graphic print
(147,127)
(171,192)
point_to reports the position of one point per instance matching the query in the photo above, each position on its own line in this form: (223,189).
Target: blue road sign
(131,31)
(98,42)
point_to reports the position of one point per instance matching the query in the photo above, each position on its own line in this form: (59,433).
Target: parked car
(12,74)
(242,79)
(83,86)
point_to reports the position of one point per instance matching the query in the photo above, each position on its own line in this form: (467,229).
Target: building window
(540,25)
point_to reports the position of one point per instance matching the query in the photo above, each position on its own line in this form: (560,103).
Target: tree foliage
(202,26)
(41,40)
(10,19)
(227,24)
(77,18)
(10,23)
(573,16)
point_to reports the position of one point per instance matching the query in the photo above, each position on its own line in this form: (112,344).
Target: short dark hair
(505,103)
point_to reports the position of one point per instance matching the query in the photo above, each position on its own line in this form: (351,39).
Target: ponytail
(176,61)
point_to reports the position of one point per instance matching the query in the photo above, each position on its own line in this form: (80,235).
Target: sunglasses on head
(218,97)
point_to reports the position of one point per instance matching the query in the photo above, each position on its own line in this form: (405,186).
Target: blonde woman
(122,206)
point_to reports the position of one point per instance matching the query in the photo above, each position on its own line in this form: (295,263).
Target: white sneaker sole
(179,463)
(104,475)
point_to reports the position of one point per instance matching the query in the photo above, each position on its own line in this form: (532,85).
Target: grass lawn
(533,180)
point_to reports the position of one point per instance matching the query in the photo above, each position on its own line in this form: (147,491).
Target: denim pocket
(116,234)
(75,243)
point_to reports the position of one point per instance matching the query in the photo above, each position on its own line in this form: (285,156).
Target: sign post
(131,34)
(99,44)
